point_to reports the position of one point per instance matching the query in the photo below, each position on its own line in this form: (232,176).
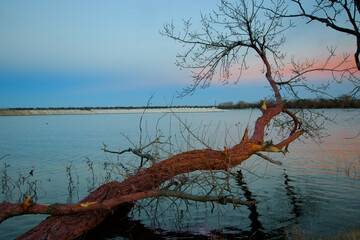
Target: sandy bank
(34,112)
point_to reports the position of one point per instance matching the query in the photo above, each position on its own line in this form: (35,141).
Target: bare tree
(339,15)
(217,52)
(228,36)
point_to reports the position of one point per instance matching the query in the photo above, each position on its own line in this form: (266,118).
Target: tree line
(344,101)
(90,108)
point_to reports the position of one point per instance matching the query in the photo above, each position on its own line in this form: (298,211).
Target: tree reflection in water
(255,225)
(120,226)
(294,201)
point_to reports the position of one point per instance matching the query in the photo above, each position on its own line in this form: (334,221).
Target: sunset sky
(110,53)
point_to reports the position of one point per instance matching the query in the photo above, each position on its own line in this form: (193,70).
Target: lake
(315,191)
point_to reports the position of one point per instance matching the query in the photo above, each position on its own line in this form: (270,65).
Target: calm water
(317,190)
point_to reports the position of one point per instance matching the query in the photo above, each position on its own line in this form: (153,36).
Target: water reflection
(119,227)
(290,192)
(309,193)
(255,225)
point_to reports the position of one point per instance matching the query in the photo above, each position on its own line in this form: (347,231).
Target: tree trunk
(74,225)
(69,221)
(144,184)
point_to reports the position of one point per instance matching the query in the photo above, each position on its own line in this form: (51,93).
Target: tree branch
(197,198)
(269,159)
(8,210)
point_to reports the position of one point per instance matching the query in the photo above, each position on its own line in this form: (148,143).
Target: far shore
(88,111)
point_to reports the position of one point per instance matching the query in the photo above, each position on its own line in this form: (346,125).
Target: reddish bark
(115,195)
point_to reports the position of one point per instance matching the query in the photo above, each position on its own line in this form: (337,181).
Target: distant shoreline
(89,111)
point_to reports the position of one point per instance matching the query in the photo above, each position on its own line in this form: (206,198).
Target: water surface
(317,190)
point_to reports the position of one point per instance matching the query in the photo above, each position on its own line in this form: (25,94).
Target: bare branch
(192,197)
(339,15)
(136,152)
(224,44)
(9,210)
(269,159)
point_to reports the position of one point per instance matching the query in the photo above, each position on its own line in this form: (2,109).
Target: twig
(6,155)
(219,199)
(137,152)
(269,159)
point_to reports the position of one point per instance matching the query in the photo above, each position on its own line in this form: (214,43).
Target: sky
(110,53)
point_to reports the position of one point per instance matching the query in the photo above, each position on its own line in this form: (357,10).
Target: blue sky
(110,53)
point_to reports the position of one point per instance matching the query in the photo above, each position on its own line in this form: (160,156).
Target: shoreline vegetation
(103,110)
(344,101)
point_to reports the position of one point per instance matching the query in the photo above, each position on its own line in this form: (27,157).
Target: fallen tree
(72,220)
(69,221)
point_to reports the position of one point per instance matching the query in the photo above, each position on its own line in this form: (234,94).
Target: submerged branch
(8,210)
(219,199)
